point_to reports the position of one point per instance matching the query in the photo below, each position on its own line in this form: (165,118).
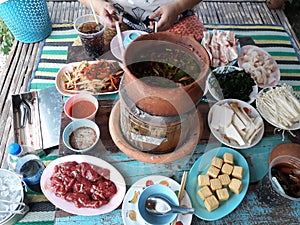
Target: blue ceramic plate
(200,167)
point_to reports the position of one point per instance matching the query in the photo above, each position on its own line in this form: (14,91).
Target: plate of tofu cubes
(217,183)
(235,123)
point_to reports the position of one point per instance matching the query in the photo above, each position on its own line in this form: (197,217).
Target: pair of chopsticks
(181,192)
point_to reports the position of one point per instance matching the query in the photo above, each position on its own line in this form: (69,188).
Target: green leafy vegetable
(234,84)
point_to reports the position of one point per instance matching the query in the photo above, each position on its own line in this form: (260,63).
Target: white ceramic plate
(273,78)
(69,207)
(59,82)
(130,214)
(214,88)
(295,126)
(253,114)
(200,167)
(114,45)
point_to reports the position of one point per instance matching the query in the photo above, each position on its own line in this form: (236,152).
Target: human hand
(168,15)
(107,11)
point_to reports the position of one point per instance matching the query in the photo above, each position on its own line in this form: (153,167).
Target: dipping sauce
(289,178)
(82,109)
(82,138)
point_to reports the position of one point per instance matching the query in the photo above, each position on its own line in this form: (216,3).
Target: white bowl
(87,110)
(220,134)
(83,123)
(215,89)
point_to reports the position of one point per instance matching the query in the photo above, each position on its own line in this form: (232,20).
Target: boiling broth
(176,65)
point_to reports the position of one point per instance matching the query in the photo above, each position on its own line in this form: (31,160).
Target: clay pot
(182,151)
(154,134)
(290,149)
(275,4)
(165,101)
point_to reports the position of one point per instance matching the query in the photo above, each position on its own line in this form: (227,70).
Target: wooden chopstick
(181,191)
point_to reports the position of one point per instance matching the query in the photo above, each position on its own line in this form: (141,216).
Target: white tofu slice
(241,114)
(221,117)
(215,118)
(258,122)
(253,135)
(238,123)
(227,115)
(233,134)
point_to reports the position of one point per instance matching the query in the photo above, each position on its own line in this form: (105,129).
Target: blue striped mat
(272,38)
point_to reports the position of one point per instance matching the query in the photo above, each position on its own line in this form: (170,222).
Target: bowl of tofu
(235,123)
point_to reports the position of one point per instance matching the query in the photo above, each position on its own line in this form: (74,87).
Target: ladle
(160,205)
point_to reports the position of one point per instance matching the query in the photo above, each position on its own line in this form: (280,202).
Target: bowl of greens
(230,82)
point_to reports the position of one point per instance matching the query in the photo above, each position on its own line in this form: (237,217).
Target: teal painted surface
(249,210)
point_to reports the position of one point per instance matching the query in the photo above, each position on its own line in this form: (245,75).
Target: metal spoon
(159,205)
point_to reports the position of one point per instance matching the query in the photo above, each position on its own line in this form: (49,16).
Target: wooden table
(23,60)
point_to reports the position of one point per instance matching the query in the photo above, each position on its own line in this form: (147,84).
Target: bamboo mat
(272,38)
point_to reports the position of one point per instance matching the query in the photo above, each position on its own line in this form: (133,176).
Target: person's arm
(169,13)
(104,9)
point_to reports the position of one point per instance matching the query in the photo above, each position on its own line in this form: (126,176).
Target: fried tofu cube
(237,172)
(224,178)
(228,158)
(222,194)
(204,192)
(215,184)
(217,162)
(203,180)
(211,203)
(236,185)
(227,168)
(213,171)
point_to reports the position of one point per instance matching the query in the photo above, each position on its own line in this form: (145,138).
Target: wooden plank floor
(23,57)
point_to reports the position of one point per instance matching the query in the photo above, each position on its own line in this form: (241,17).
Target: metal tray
(36,119)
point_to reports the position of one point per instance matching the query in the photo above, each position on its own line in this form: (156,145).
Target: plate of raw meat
(83,185)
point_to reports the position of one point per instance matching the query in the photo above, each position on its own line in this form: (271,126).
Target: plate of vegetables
(279,106)
(94,77)
(230,82)
(235,123)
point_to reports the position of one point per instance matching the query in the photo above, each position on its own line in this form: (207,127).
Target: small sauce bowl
(81,106)
(81,135)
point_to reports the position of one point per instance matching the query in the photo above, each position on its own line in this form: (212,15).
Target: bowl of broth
(81,106)
(81,135)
